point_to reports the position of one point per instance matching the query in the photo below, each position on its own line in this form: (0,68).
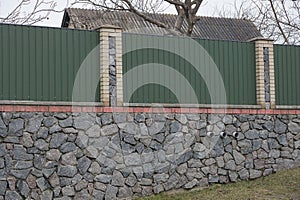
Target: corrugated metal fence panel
(234,60)
(41,64)
(287,70)
(236,63)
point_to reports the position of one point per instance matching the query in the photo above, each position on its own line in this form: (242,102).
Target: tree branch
(40,11)
(175,2)
(149,19)
(278,23)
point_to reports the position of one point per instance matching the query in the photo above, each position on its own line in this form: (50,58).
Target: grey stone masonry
(128,155)
(112,71)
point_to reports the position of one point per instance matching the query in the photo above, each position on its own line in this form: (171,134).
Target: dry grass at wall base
(281,185)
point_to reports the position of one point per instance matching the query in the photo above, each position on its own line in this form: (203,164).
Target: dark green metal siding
(41,64)
(236,63)
(287,70)
(234,60)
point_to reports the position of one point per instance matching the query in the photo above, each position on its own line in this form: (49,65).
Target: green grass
(281,185)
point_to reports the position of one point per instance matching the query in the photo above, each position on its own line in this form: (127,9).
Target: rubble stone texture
(127,155)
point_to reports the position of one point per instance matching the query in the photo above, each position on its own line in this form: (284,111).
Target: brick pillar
(106,32)
(260,47)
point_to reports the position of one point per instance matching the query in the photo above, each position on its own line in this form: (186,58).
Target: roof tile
(205,27)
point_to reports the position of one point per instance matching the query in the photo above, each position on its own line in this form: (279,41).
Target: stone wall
(121,155)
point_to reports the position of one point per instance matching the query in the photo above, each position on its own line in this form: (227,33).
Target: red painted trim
(7,108)
(158,110)
(269,112)
(245,111)
(185,110)
(19,109)
(196,110)
(234,111)
(147,110)
(118,109)
(33,108)
(176,110)
(88,109)
(60,108)
(261,112)
(211,111)
(283,112)
(107,109)
(168,110)
(125,109)
(138,110)
(43,109)
(291,112)
(221,111)
(98,109)
(200,110)
(76,109)
(252,111)
(130,109)
(277,112)
(54,109)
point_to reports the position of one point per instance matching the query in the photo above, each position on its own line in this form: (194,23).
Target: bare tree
(36,11)
(234,10)
(276,19)
(186,11)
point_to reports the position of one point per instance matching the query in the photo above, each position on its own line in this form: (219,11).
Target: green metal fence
(287,71)
(41,64)
(155,55)
(46,64)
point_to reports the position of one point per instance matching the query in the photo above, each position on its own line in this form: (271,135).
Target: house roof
(205,27)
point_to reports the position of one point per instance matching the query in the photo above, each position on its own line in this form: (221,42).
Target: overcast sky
(208,9)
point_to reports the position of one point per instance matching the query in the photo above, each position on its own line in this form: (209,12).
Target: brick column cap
(260,39)
(109,26)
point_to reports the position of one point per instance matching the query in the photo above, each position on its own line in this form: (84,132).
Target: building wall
(128,154)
